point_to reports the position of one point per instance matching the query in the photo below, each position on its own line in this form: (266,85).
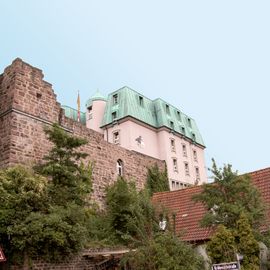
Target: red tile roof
(188,213)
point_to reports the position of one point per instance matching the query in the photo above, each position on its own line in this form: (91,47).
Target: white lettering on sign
(226,266)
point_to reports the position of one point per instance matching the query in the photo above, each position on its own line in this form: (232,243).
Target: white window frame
(197,174)
(175,165)
(186,167)
(119,167)
(184,150)
(172,143)
(195,156)
(116,140)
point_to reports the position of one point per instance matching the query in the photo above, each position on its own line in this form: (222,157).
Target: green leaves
(47,217)
(157,181)
(228,197)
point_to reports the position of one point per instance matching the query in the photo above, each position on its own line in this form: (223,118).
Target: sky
(209,58)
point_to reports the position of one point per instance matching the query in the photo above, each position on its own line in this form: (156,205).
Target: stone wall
(28,104)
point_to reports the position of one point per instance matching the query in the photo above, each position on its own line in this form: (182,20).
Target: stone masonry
(28,104)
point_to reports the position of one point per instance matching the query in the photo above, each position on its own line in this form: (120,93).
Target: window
(175,167)
(178,115)
(115,99)
(173,185)
(90,115)
(193,137)
(119,167)
(173,145)
(167,109)
(189,122)
(184,149)
(177,185)
(195,155)
(141,101)
(171,125)
(114,116)
(186,169)
(183,131)
(116,137)
(197,174)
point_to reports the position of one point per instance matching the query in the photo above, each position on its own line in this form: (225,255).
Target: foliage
(69,176)
(47,217)
(164,252)
(228,197)
(130,213)
(23,195)
(246,244)
(221,247)
(157,181)
(225,243)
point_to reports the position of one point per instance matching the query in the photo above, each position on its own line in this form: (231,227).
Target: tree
(157,181)
(23,196)
(228,197)
(130,213)
(70,178)
(47,217)
(163,252)
(246,244)
(221,248)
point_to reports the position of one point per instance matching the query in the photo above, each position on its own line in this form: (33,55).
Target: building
(151,127)
(28,104)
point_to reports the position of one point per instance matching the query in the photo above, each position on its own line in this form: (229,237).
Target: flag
(79,107)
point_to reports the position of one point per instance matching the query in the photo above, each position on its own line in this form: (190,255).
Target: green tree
(130,213)
(70,178)
(163,252)
(221,248)
(157,180)
(23,196)
(47,217)
(246,244)
(228,197)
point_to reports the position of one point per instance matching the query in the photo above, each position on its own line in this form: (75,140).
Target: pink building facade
(154,128)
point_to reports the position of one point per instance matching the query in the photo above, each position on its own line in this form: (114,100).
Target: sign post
(2,256)
(226,266)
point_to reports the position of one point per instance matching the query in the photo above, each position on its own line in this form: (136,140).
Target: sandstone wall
(29,104)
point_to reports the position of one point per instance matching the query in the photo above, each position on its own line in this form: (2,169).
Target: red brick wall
(34,105)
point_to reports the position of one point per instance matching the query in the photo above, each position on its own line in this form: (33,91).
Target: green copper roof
(73,114)
(96,96)
(157,113)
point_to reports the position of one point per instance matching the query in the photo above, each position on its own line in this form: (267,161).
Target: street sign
(226,266)
(2,256)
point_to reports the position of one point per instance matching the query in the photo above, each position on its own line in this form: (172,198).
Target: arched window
(119,167)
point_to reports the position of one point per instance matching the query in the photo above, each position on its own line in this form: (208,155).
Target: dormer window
(141,100)
(115,99)
(178,115)
(114,116)
(189,122)
(193,137)
(167,109)
(171,125)
(183,131)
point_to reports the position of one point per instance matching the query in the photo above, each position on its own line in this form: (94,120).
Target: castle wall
(29,104)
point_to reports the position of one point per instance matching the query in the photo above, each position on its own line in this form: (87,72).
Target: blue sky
(211,59)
